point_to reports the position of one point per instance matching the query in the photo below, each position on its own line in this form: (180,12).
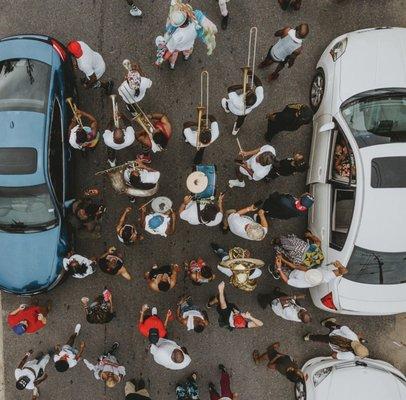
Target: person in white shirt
(301,277)
(345,344)
(170,355)
(207,136)
(286,49)
(142,178)
(107,368)
(191,316)
(118,138)
(244,226)
(285,306)
(237,105)
(134,87)
(256,167)
(86,136)
(68,356)
(78,266)
(91,64)
(196,213)
(29,374)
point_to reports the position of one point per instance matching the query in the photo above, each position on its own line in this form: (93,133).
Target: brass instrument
(116,175)
(201,108)
(75,113)
(252,47)
(138,114)
(116,117)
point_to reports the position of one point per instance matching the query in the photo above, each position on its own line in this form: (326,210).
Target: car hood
(360,383)
(374,59)
(29,261)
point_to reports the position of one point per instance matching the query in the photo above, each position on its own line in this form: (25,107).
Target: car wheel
(300,391)
(317,90)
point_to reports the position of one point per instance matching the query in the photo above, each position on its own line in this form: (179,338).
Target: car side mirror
(327,127)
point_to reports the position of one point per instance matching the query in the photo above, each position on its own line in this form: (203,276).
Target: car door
(317,178)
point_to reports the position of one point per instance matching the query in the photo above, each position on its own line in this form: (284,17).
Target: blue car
(36,77)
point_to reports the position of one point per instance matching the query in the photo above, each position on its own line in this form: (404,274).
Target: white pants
(256,273)
(223,7)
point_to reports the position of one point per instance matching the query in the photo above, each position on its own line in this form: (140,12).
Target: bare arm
(282,32)
(122,219)
(262,219)
(246,210)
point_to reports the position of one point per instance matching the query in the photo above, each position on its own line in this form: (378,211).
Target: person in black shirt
(291,118)
(283,363)
(288,166)
(285,205)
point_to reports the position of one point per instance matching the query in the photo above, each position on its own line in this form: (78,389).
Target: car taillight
(328,302)
(59,49)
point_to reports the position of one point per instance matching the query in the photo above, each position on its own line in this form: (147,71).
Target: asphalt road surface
(107,27)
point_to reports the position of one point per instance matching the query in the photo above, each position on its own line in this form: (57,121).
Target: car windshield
(377,117)
(24,85)
(26,208)
(374,267)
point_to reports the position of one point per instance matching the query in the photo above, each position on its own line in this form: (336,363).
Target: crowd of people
(299,262)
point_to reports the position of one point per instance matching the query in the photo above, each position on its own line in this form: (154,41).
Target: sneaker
(135,11)
(224,105)
(331,319)
(212,387)
(306,337)
(133,199)
(77,329)
(186,58)
(172,66)
(145,158)
(222,368)
(236,182)
(235,130)
(115,346)
(154,311)
(215,247)
(112,163)
(224,22)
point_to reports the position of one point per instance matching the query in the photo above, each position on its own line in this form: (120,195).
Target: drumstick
(146,204)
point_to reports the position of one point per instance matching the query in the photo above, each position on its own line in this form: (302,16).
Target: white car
(362,379)
(357,170)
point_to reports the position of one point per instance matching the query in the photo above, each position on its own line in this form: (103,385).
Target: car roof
(373,59)
(381,226)
(24,129)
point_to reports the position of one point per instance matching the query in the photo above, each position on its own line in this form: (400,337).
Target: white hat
(314,277)
(255,231)
(161,204)
(159,40)
(197,182)
(177,17)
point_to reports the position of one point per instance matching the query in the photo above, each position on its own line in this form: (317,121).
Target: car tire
(317,89)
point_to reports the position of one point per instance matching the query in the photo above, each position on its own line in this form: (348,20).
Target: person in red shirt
(151,326)
(28,319)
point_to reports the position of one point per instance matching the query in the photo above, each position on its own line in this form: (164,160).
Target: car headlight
(320,375)
(338,49)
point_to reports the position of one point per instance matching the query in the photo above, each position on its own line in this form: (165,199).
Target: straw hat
(359,349)
(161,204)
(255,231)
(177,17)
(197,182)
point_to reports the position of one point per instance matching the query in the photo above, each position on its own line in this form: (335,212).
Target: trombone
(252,48)
(75,113)
(201,108)
(116,117)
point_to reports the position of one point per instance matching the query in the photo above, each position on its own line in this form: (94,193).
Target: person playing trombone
(82,137)
(116,137)
(243,103)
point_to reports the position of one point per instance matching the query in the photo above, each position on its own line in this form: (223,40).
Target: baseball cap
(306,200)
(74,48)
(19,329)
(239,321)
(155,221)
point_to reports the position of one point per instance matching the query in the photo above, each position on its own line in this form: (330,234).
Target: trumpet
(75,113)
(201,108)
(116,117)
(252,47)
